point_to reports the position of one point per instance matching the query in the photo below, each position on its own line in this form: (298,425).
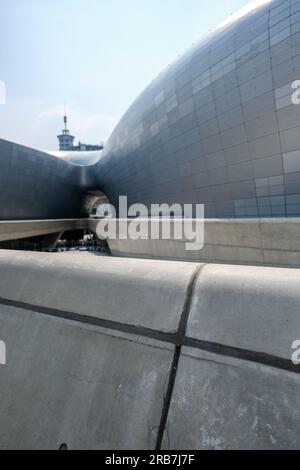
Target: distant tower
(65,139)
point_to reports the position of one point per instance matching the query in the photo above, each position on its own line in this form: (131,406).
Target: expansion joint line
(177,353)
(178,339)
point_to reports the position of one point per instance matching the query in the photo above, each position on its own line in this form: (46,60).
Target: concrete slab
(136,292)
(222,403)
(93,387)
(20,229)
(257,241)
(247,307)
(86,387)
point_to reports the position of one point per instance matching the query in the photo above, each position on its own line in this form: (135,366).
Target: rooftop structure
(66,142)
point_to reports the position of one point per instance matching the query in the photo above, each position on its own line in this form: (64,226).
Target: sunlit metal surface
(218,126)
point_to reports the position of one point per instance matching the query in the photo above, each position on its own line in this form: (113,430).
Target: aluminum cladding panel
(218,126)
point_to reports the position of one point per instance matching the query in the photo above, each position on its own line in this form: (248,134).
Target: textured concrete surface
(269,242)
(19,229)
(246,307)
(90,389)
(266,242)
(97,345)
(221,403)
(148,294)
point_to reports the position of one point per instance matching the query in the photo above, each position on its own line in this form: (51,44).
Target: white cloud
(2,93)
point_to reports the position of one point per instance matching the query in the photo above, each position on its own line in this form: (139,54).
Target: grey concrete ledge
(262,242)
(20,229)
(147,294)
(246,307)
(104,385)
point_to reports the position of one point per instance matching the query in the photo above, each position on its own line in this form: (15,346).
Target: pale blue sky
(92,57)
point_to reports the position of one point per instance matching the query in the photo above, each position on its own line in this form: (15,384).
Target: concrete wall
(20,229)
(145,354)
(267,242)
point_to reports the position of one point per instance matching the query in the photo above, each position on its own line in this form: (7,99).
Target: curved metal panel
(218,126)
(35,185)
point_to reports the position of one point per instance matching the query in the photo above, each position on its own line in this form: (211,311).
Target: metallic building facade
(35,185)
(218,126)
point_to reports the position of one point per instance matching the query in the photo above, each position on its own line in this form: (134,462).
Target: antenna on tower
(65,121)
(66,140)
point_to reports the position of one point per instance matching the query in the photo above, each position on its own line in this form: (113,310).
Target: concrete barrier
(249,308)
(65,383)
(235,380)
(22,229)
(130,354)
(135,292)
(223,403)
(262,242)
